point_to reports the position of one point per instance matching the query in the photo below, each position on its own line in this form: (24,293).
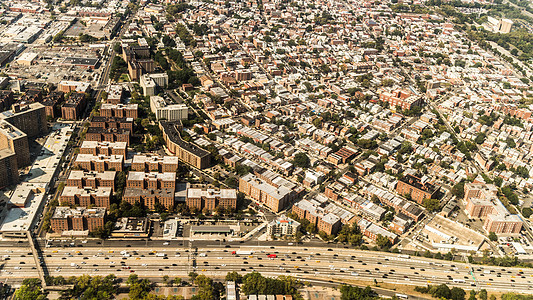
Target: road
(215,261)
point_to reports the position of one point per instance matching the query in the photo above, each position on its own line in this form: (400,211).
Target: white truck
(243,252)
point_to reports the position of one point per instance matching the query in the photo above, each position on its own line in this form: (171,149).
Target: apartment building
(210,199)
(86,196)
(185,151)
(15,140)
(77,219)
(112,122)
(482,202)
(99,134)
(275,198)
(114,94)
(30,119)
(404,99)
(104,148)
(418,190)
(169,112)
(325,221)
(9,174)
(283,226)
(119,110)
(99,163)
(74,107)
(81,179)
(151,189)
(150,163)
(52,104)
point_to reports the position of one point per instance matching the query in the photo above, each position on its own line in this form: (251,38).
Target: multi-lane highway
(307,263)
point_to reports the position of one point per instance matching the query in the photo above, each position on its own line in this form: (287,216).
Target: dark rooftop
(174,135)
(415,182)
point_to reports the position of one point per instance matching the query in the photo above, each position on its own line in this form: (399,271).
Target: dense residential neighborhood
(266,126)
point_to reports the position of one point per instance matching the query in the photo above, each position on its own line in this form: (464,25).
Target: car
(160,269)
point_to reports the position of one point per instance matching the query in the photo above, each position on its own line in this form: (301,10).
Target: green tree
(441,291)
(457,294)
(30,290)
(301,160)
(432,205)
(458,190)
(349,292)
(483,294)
(472,295)
(492,236)
(97,287)
(234,276)
(383,242)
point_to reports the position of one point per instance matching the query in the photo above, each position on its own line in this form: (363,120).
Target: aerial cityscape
(266,150)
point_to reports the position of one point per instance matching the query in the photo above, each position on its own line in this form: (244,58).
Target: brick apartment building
(150,189)
(418,190)
(30,119)
(99,163)
(52,103)
(404,99)
(482,202)
(73,108)
(151,163)
(6,99)
(99,134)
(81,179)
(86,197)
(185,151)
(209,199)
(77,219)
(104,148)
(275,198)
(324,221)
(119,110)
(112,122)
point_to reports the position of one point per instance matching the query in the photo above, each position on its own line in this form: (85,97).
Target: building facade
(209,199)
